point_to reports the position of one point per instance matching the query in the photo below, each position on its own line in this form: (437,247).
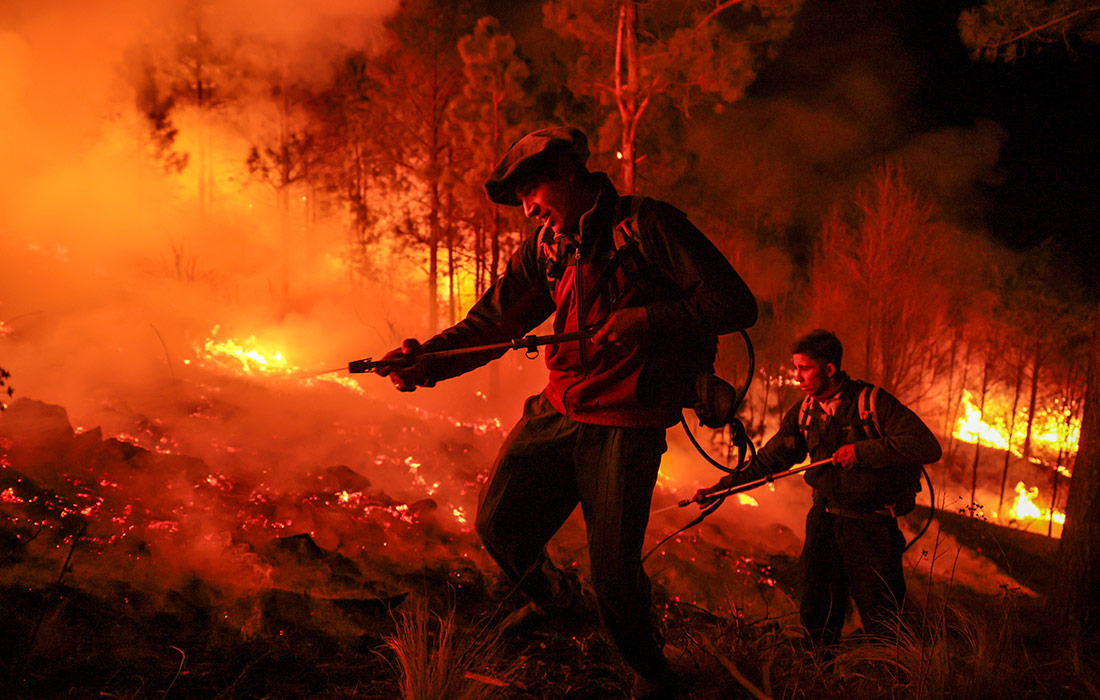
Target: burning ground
(217,549)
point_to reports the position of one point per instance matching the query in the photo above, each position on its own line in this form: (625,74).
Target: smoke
(116,273)
(842,98)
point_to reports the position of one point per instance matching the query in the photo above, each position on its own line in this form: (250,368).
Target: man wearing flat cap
(657,294)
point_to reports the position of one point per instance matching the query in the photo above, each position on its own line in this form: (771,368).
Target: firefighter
(657,294)
(878,448)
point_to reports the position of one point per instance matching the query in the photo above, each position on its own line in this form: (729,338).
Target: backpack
(868,418)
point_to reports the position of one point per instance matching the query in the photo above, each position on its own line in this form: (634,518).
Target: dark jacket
(690,292)
(888,468)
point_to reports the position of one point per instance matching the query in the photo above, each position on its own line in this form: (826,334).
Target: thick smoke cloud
(832,107)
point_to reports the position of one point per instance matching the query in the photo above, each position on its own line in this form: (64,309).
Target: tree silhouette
(882,278)
(662,57)
(1006,29)
(419,76)
(491,113)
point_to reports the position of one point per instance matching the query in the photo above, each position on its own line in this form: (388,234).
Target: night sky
(1047,176)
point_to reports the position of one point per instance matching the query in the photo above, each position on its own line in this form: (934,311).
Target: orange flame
(971,427)
(1025,508)
(1056,430)
(255,359)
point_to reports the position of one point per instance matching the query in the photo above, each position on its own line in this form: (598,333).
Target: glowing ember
(8,496)
(747,500)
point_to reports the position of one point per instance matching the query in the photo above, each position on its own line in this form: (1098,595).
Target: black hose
(736,433)
(931,509)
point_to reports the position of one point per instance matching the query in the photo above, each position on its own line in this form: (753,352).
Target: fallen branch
(726,662)
(245,670)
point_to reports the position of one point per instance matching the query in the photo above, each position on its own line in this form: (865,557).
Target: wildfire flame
(254,358)
(1025,508)
(972,428)
(1054,429)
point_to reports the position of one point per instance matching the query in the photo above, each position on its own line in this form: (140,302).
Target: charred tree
(1079,585)
(978,442)
(1016,387)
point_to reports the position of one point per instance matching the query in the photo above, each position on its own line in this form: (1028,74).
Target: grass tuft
(437,660)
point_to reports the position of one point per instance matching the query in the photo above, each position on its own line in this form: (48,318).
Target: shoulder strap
(627,253)
(868,417)
(804,416)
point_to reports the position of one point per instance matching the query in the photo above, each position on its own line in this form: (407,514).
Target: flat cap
(532,155)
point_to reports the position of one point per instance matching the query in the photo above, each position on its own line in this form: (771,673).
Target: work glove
(414,375)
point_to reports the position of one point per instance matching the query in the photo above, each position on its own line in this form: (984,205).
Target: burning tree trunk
(1011,432)
(1079,585)
(978,442)
(1036,367)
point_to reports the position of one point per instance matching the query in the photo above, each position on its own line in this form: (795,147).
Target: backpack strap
(868,417)
(804,416)
(627,255)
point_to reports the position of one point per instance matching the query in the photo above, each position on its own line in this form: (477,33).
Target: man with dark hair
(878,448)
(657,294)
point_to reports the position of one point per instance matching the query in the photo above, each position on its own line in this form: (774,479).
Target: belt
(887,512)
(884,512)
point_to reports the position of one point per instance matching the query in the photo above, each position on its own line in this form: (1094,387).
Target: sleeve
(715,300)
(905,438)
(784,450)
(517,302)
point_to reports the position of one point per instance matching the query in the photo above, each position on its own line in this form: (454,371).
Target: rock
(340,478)
(28,420)
(40,433)
(299,551)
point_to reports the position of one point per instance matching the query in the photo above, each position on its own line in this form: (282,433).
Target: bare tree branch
(717,11)
(1042,27)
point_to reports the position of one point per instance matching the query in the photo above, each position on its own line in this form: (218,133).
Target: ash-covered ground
(230,536)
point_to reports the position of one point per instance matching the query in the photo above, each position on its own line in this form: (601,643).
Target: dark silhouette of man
(658,294)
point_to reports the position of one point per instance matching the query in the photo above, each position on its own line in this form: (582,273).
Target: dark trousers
(848,554)
(547,465)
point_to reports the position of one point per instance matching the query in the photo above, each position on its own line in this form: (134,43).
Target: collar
(598,220)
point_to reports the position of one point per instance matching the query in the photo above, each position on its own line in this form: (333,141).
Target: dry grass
(438,660)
